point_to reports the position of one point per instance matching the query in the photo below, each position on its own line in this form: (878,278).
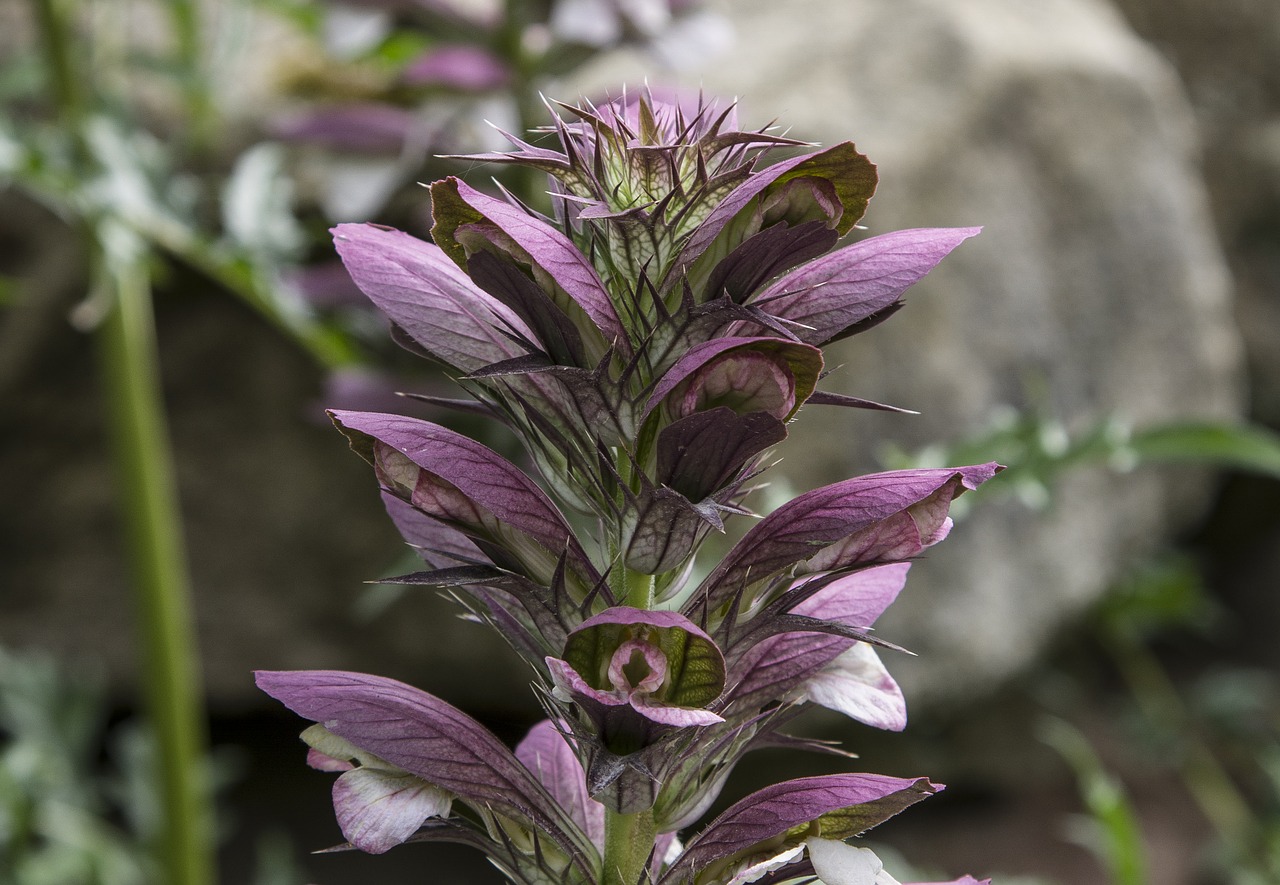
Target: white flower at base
(839,864)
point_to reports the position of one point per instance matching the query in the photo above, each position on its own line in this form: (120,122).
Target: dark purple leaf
(829,296)
(880,517)
(462,213)
(702,453)
(457,480)
(664,527)
(508,284)
(762,257)
(427,296)
(833,806)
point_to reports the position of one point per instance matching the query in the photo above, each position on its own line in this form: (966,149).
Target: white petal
(378,809)
(857,685)
(839,864)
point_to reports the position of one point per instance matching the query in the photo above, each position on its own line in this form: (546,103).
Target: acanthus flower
(649,343)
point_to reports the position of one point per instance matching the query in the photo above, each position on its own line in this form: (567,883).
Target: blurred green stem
(1158,699)
(65,84)
(149,506)
(201,120)
(153,527)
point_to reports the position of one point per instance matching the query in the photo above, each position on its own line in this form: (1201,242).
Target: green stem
(153,528)
(638,589)
(628,843)
(1158,699)
(201,119)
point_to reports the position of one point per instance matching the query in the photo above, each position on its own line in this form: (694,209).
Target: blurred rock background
(1124,159)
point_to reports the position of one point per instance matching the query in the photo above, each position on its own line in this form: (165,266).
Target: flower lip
(638,666)
(639,673)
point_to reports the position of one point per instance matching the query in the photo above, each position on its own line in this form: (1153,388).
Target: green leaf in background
(1113,834)
(1242,447)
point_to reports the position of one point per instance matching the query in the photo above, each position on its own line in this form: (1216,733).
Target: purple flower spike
(462,67)
(648,343)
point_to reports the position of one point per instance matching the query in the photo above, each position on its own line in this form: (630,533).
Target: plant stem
(628,844)
(1158,699)
(639,589)
(153,528)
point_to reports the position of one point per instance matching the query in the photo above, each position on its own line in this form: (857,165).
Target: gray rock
(1097,281)
(1228,55)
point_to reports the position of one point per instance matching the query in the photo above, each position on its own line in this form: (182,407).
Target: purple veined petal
(676,717)
(850,177)
(830,295)
(859,598)
(781,665)
(745,374)
(463,67)
(880,517)
(379,809)
(366,128)
(439,545)
(834,806)
(547,753)
(570,686)
(461,211)
(426,295)
(426,737)
(483,491)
